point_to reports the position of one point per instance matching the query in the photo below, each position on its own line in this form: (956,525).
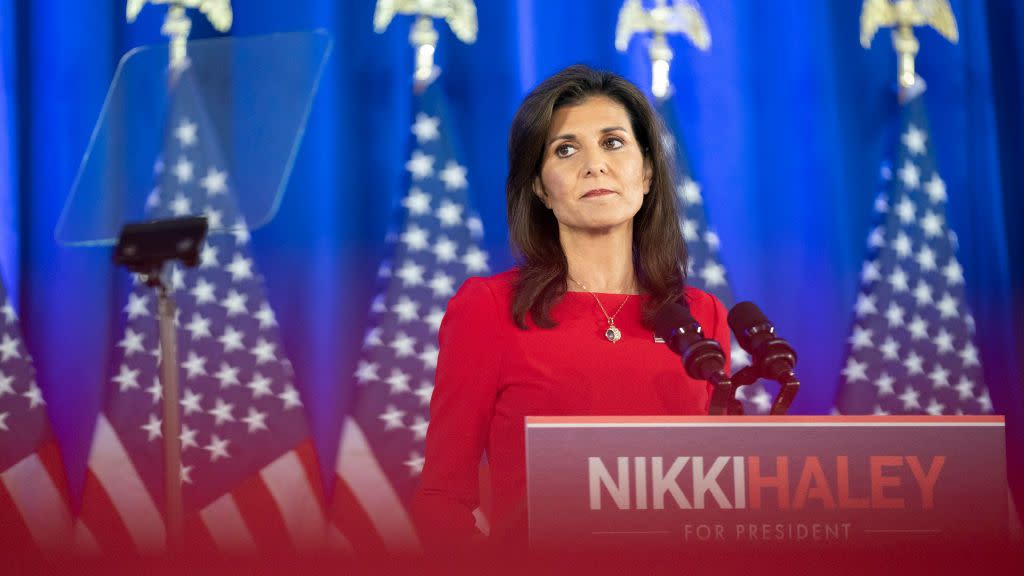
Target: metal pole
(173,511)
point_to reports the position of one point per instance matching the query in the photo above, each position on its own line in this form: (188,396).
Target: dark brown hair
(659,253)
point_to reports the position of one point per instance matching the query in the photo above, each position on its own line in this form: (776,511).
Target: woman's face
(594,175)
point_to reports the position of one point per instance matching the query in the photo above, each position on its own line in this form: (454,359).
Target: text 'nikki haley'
(752,482)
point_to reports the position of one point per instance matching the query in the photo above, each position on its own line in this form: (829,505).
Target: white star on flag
(392,418)
(936,189)
(186,133)
(420,165)
(690,192)
(127,378)
(137,306)
(426,128)
(10,316)
(417,202)
(914,140)
(152,428)
(215,182)
(184,171)
(910,175)
(454,176)
(884,384)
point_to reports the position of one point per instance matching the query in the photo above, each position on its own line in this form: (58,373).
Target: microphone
(703,358)
(772,357)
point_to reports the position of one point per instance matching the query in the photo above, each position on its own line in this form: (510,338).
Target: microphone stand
(772,357)
(790,386)
(749,375)
(723,394)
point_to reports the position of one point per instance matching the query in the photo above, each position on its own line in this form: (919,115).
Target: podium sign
(610,481)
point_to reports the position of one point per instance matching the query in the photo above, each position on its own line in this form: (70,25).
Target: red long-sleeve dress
(491,374)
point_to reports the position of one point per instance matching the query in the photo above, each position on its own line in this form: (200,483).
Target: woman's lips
(598,192)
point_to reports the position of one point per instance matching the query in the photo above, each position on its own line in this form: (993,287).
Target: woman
(592,214)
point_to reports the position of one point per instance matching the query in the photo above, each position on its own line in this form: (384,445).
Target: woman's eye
(565,150)
(613,143)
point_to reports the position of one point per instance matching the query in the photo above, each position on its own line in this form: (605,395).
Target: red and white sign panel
(789,479)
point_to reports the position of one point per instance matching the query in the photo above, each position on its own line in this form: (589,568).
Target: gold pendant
(612,334)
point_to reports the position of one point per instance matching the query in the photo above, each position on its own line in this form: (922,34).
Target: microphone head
(747,322)
(670,319)
(702,357)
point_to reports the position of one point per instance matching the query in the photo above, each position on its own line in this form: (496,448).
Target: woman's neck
(600,262)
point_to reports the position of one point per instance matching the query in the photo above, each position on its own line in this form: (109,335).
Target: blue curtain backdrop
(783,119)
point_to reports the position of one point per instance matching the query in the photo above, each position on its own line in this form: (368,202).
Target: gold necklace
(612,333)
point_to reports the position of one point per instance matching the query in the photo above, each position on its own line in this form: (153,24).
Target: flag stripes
(362,477)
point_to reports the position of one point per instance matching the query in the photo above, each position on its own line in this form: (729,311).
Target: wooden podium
(815,480)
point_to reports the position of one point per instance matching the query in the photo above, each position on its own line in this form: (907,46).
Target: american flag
(434,251)
(705,270)
(912,347)
(250,478)
(34,505)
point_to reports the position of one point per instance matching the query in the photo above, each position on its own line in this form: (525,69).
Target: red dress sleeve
(461,409)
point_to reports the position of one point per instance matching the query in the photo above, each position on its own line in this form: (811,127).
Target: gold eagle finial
(681,17)
(903,16)
(459,14)
(177,25)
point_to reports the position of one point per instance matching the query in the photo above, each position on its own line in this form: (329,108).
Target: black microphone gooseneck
(703,358)
(772,357)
